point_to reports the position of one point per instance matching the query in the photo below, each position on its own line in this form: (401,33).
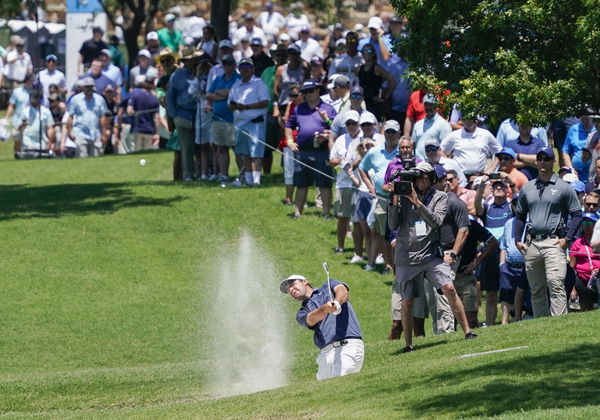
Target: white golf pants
(340,361)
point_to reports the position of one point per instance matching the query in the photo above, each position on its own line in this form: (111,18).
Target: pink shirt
(579,250)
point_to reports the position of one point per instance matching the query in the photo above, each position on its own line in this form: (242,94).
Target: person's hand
(389,187)
(573,296)
(208,108)
(329,307)
(413,197)
(448,259)
(522,247)
(562,242)
(322,113)
(155,139)
(504,176)
(372,191)
(293,147)
(470,268)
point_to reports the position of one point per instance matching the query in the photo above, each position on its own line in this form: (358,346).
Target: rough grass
(104,315)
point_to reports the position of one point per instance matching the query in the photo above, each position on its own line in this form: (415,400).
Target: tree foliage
(529,59)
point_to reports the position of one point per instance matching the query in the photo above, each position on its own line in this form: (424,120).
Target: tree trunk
(219,17)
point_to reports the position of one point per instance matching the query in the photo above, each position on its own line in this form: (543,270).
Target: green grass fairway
(105,269)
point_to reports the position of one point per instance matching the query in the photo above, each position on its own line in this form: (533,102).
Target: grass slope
(105,271)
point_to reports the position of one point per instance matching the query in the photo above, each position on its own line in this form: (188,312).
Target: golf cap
(305,29)
(578,186)
(367,118)
(51,57)
(256,41)
(225,43)
(431,142)
(170,17)
(351,115)
(228,59)
(245,63)
(341,41)
(396,19)
(144,53)
(106,52)
(507,151)
(342,81)
(565,170)
(358,27)
(331,80)
(316,61)
(440,171)
(285,284)
(152,36)
(375,23)
(284,37)
(547,151)
(338,26)
(248,16)
(109,88)
(429,99)
(294,48)
(309,85)
(590,216)
(394,126)
(569,177)
(357,90)
(87,81)
(424,167)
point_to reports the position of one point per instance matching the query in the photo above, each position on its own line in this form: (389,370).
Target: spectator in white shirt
(296,20)
(17,63)
(249,30)
(271,21)
(309,47)
(51,76)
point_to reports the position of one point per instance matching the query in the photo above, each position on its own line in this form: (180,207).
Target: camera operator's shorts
(419,308)
(436,271)
(343,203)
(249,140)
(466,288)
(306,176)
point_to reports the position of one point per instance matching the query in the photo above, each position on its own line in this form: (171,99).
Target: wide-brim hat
(165,52)
(191,53)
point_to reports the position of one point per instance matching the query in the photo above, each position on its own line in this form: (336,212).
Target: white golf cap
(351,115)
(170,17)
(285,284)
(358,27)
(375,23)
(152,36)
(144,53)
(570,178)
(331,81)
(225,43)
(424,167)
(284,37)
(367,118)
(391,125)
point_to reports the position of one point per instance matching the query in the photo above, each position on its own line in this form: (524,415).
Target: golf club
(339,309)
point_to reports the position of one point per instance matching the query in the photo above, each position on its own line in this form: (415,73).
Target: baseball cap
(308,85)
(87,81)
(565,169)
(294,48)
(570,178)
(331,80)
(106,52)
(51,57)
(440,171)
(305,29)
(284,37)
(144,53)
(170,17)
(367,118)
(225,43)
(429,99)
(109,87)
(547,151)
(375,23)
(431,142)
(339,26)
(285,284)
(152,36)
(256,41)
(578,186)
(424,167)
(590,216)
(395,126)
(351,115)
(341,41)
(357,90)
(507,151)
(316,61)
(341,81)
(246,62)
(248,16)
(228,59)
(396,19)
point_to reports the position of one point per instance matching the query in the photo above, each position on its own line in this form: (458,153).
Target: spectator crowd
(497,220)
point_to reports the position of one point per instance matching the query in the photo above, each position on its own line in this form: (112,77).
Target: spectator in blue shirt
(509,130)
(573,151)
(526,146)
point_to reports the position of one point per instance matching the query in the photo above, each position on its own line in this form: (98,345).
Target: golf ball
(143,162)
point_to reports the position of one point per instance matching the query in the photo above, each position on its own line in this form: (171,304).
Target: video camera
(408,174)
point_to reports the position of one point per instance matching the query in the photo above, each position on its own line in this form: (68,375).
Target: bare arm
(367,180)
(459,241)
(479,209)
(408,124)
(390,79)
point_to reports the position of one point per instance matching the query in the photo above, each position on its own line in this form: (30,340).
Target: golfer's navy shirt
(332,327)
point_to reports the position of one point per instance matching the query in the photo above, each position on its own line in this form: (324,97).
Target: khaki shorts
(223,134)
(419,308)
(466,288)
(380,212)
(343,204)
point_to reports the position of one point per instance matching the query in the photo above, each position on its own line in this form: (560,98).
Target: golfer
(338,336)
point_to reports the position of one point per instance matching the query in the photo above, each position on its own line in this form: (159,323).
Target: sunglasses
(368,51)
(544,159)
(294,95)
(592,204)
(351,123)
(431,149)
(504,158)
(450,179)
(356,96)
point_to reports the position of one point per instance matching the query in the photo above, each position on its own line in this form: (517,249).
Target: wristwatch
(452,254)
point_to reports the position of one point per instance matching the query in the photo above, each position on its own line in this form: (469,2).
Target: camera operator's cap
(367,118)
(342,81)
(440,171)
(569,177)
(424,167)
(375,23)
(429,99)
(285,284)
(51,57)
(351,115)
(578,186)
(152,36)
(225,43)
(245,63)
(227,59)
(431,142)
(144,53)
(309,85)
(106,52)
(547,151)
(170,17)
(590,216)
(393,125)
(508,152)
(256,41)
(87,81)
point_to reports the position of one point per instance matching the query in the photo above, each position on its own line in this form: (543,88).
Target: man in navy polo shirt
(336,329)
(525,148)
(143,107)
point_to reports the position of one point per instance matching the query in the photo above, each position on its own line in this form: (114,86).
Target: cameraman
(418,217)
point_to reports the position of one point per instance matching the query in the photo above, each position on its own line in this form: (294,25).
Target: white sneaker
(379,259)
(355,259)
(369,268)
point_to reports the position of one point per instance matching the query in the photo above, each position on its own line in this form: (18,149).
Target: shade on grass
(106,267)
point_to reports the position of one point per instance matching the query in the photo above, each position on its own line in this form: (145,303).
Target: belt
(516,265)
(340,343)
(541,237)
